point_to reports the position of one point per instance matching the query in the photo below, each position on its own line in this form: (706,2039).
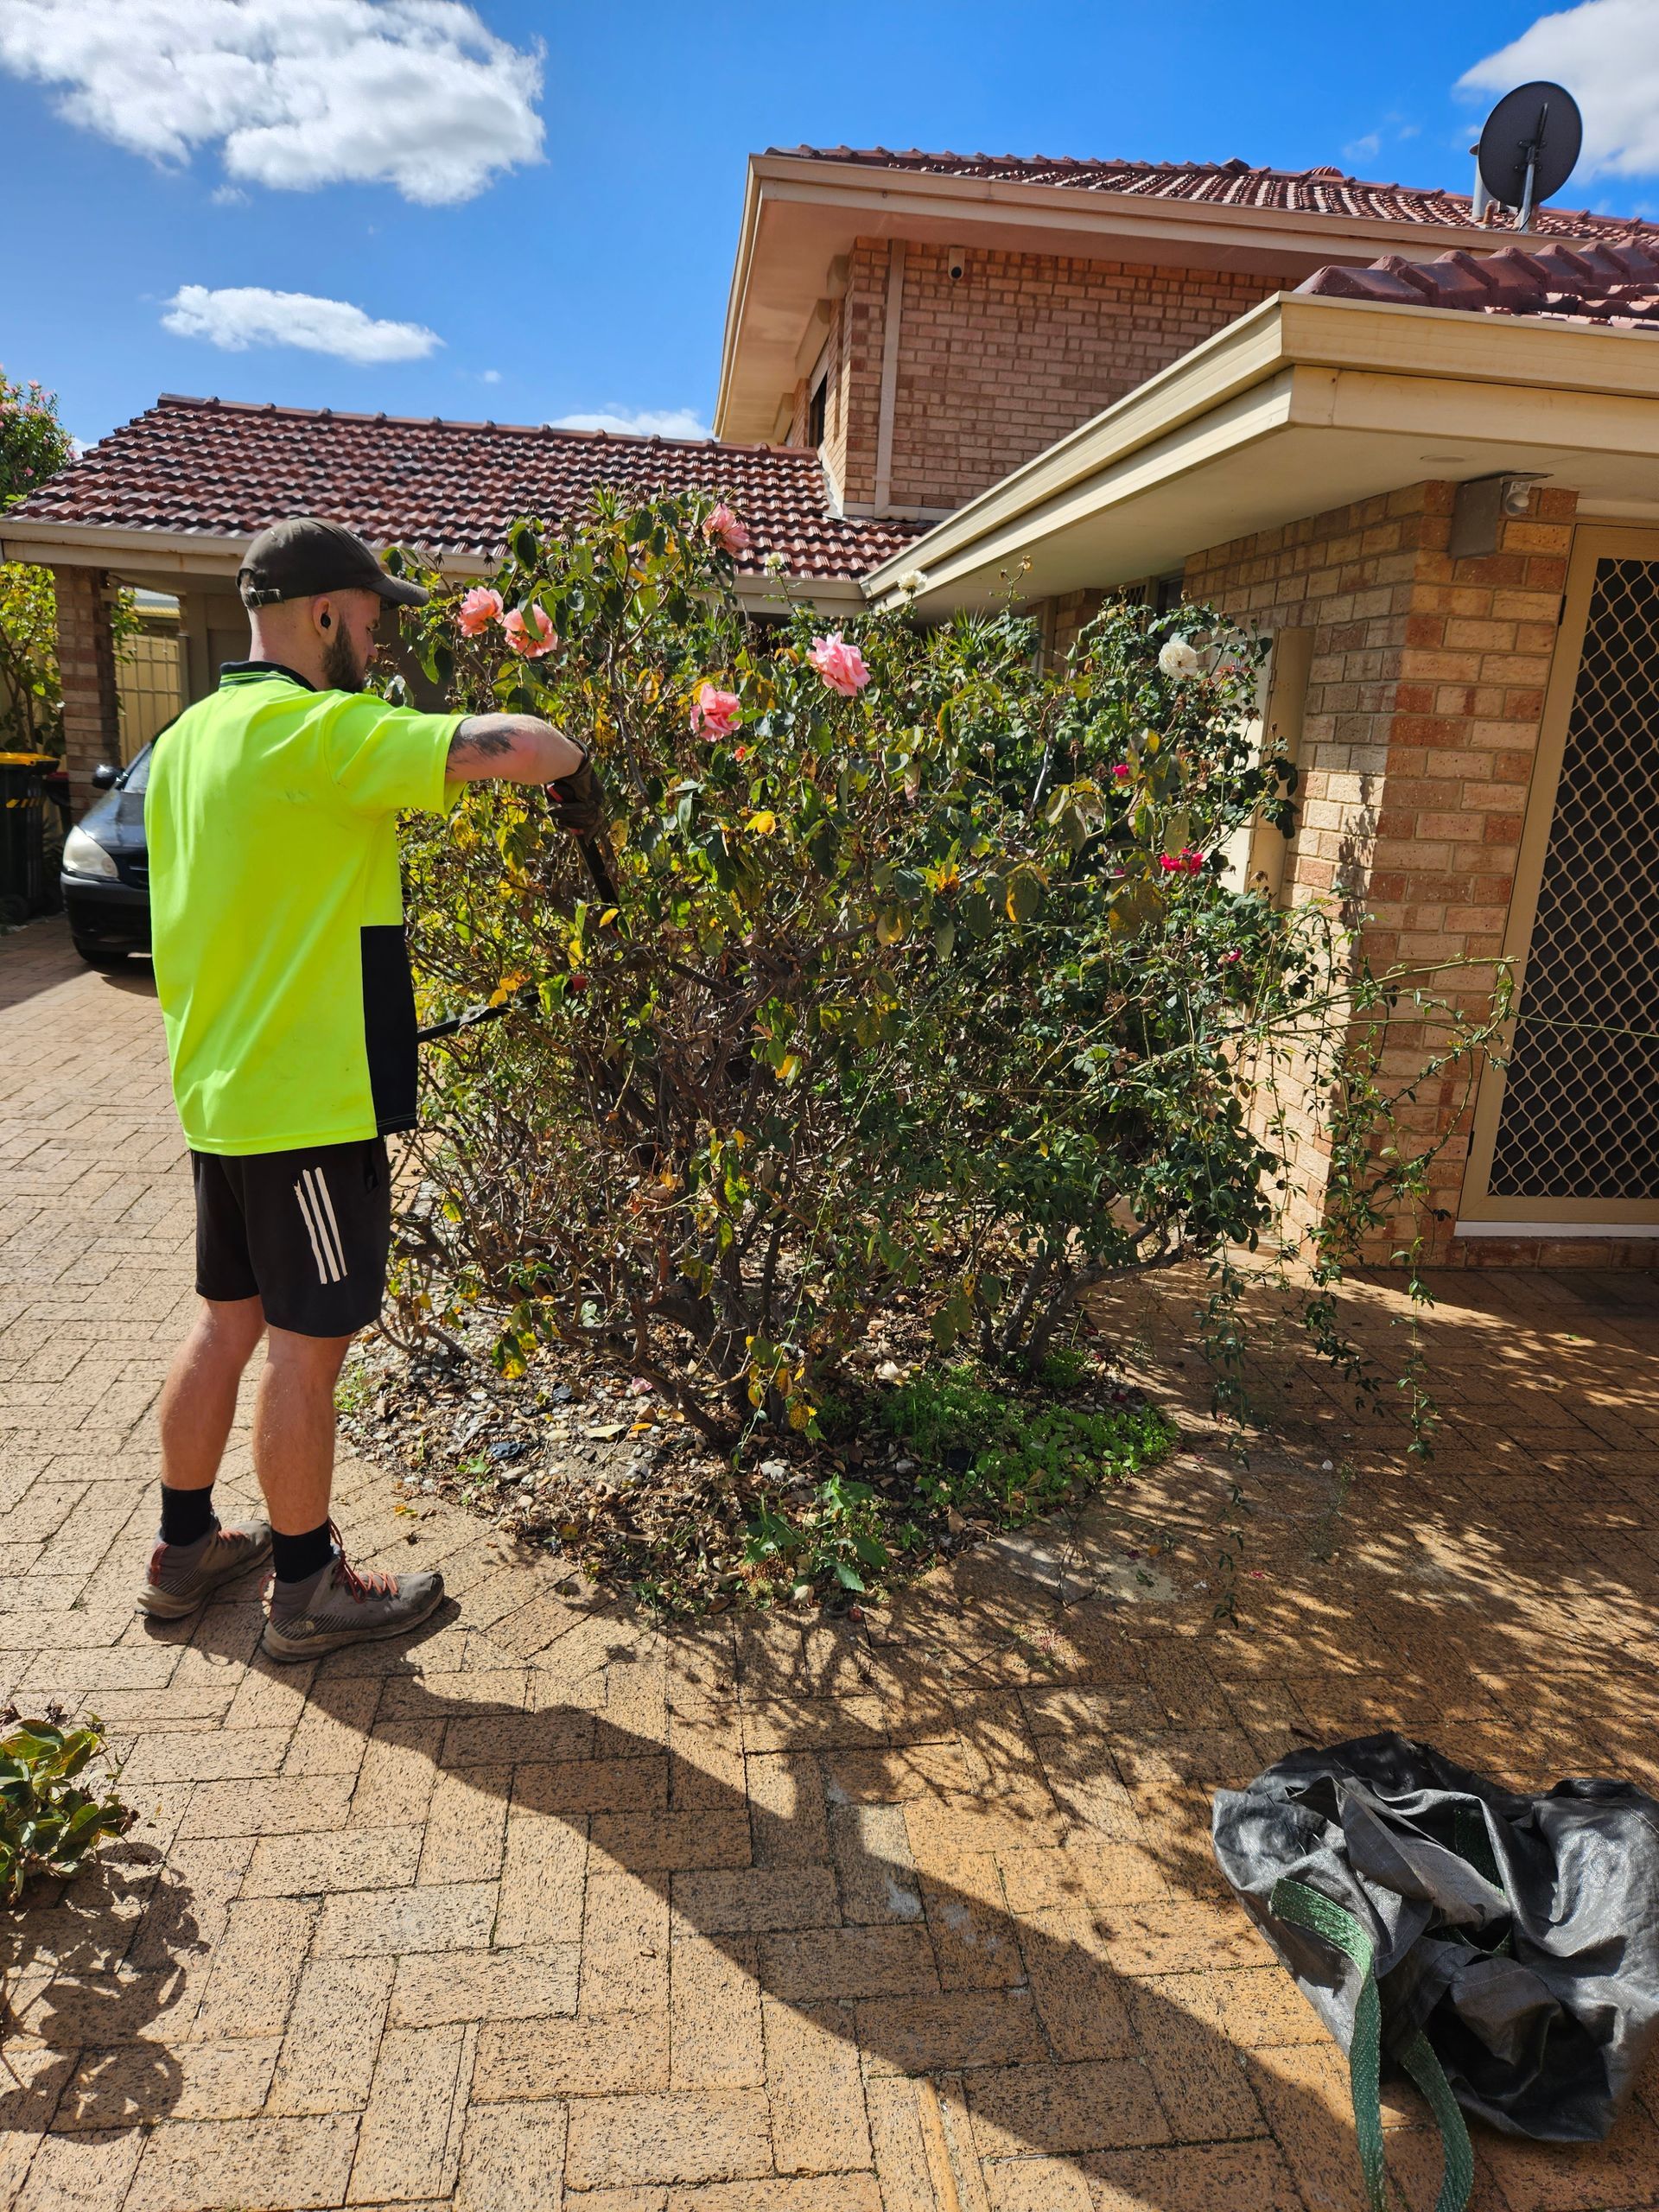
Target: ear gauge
(324,621)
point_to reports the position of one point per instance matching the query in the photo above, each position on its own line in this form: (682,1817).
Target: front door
(1567,1134)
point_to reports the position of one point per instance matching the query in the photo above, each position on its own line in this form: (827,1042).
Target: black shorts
(306,1233)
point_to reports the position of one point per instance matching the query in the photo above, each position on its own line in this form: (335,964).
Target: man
(277,924)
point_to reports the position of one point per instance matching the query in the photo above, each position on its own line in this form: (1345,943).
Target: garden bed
(918,1459)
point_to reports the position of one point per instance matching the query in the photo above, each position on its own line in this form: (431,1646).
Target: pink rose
(724,524)
(479,609)
(715,714)
(531,645)
(1185,862)
(1121,771)
(841,665)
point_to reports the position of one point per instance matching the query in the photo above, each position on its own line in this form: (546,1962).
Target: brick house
(1424,457)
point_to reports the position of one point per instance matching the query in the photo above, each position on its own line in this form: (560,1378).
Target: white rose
(1177,658)
(912,581)
(773,564)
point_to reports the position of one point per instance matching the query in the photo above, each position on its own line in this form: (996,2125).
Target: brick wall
(1424,696)
(1071,613)
(852,411)
(996,365)
(91,727)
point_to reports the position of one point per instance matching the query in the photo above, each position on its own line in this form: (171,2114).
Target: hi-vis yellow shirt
(277,912)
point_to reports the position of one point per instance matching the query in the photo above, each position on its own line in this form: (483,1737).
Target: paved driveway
(915,1918)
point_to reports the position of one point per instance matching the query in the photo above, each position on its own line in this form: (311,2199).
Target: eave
(1303,405)
(174,560)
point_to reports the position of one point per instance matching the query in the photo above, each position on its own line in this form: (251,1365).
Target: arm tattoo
(482,737)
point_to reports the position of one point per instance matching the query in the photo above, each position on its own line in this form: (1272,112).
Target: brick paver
(914,1915)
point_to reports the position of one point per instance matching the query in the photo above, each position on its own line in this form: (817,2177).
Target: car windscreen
(138,774)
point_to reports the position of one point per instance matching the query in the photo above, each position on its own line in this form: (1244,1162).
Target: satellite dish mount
(1528,148)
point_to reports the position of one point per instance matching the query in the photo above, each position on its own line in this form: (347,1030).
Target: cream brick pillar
(92,728)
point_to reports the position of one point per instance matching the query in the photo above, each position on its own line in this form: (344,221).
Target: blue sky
(593,279)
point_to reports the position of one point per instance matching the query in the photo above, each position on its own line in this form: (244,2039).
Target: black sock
(186,1514)
(295,1558)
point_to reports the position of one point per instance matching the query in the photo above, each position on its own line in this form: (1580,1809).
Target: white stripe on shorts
(331,1227)
(325,1274)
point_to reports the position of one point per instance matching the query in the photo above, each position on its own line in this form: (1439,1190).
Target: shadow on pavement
(1056,1977)
(95,1974)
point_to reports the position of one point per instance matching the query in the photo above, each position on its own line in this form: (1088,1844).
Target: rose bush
(910,968)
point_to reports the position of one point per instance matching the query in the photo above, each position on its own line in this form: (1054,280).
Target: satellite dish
(1529,145)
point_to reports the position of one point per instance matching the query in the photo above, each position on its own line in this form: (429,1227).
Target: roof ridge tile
(1579,282)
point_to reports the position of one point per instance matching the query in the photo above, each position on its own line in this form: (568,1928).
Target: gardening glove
(580,800)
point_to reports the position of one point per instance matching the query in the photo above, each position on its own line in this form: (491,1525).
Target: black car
(106,876)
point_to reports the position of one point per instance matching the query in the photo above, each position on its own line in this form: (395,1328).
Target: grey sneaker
(180,1575)
(340,1604)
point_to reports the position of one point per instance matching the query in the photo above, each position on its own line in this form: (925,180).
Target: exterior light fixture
(1481,506)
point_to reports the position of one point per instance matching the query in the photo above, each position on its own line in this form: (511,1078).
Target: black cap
(301,558)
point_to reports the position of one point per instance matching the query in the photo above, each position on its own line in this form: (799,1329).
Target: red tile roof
(1231,184)
(223,469)
(1615,285)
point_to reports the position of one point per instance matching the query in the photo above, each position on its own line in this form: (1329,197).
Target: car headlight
(84,855)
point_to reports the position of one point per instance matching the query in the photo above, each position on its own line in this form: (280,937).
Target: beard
(342,669)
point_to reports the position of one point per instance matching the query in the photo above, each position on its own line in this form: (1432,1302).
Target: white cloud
(489,375)
(644,421)
(1390,131)
(241,315)
(1607,52)
(419,94)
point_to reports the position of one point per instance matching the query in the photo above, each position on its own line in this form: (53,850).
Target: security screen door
(1569,1132)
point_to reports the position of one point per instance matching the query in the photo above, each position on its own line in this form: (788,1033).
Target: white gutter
(1285,362)
(1083,208)
(1235,357)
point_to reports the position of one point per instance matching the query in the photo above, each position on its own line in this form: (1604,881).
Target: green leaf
(822,844)
(1024,895)
(848,1576)
(46,1824)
